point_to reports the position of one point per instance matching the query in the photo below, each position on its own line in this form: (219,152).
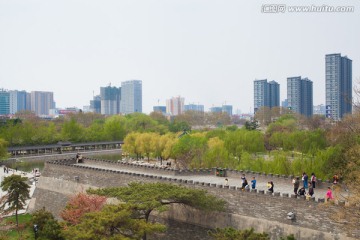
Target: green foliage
(48,226)
(112,222)
(3,149)
(150,196)
(114,128)
(251,125)
(72,131)
(17,193)
(233,234)
(179,127)
(190,149)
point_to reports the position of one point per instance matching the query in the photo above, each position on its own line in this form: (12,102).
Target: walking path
(32,185)
(232,181)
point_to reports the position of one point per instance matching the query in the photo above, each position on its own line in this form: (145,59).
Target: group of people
(245,184)
(307,185)
(306,190)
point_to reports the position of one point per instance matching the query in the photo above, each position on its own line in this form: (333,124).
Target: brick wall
(245,209)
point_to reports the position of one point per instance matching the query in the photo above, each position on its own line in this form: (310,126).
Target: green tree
(17,193)
(139,122)
(216,154)
(48,226)
(3,149)
(146,197)
(130,146)
(112,222)
(72,131)
(114,128)
(189,150)
(146,143)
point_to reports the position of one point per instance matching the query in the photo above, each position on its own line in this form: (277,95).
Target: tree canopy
(17,193)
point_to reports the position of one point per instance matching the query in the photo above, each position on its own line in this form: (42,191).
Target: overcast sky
(207,51)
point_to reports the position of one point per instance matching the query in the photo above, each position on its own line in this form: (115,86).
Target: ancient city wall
(257,209)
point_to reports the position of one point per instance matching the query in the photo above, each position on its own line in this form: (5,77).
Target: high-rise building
(319,109)
(95,104)
(227,109)
(4,102)
(338,72)
(42,102)
(300,95)
(131,97)
(216,109)
(160,109)
(194,107)
(266,94)
(175,106)
(110,100)
(18,101)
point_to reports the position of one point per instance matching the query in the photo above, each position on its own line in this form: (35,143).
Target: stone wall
(263,212)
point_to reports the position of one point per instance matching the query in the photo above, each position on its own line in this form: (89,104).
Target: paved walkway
(24,174)
(260,185)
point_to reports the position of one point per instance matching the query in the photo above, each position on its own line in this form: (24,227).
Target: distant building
(227,109)
(42,102)
(131,97)
(216,109)
(4,102)
(175,106)
(110,100)
(266,94)
(338,72)
(18,101)
(194,107)
(300,95)
(95,104)
(285,103)
(319,109)
(160,109)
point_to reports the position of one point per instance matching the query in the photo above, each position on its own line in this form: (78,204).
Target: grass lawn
(9,231)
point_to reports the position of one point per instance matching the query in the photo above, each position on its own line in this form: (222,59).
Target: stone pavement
(30,176)
(232,181)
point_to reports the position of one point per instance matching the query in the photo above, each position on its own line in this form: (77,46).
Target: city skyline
(207,52)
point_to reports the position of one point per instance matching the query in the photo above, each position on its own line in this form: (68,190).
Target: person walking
(329,195)
(296,183)
(271,186)
(305,180)
(243,181)
(253,183)
(313,180)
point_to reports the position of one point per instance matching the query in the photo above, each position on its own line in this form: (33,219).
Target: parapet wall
(200,172)
(245,209)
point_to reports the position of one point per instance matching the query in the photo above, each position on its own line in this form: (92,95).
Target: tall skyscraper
(131,97)
(4,102)
(18,101)
(95,104)
(110,100)
(300,95)
(338,72)
(42,102)
(266,94)
(175,106)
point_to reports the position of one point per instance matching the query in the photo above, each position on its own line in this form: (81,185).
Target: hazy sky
(207,51)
